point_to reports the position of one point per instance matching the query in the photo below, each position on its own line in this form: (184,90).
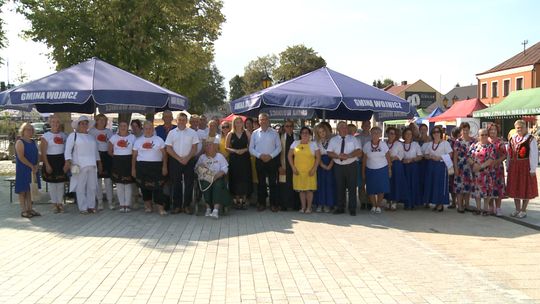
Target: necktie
(342,144)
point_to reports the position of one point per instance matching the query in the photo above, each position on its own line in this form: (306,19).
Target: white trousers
(108,190)
(56,190)
(124,192)
(86,188)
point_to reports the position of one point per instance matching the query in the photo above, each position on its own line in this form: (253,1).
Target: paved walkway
(250,257)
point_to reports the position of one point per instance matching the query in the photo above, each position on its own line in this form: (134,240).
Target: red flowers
(122,143)
(102,137)
(58,140)
(148,145)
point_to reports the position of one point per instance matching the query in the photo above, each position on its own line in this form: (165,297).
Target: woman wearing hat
(82,160)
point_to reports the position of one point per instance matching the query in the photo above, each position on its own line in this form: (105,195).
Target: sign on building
(420,99)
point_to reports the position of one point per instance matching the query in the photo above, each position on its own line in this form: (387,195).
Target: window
(484,90)
(506,87)
(494,87)
(519,84)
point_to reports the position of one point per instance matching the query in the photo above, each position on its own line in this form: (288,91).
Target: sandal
(148,210)
(162,212)
(476,212)
(26,214)
(60,208)
(34,213)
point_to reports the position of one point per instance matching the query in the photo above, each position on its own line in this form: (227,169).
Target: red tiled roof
(531,56)
(460,109)
(397,89)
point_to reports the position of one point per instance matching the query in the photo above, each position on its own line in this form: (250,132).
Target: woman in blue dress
(325,196)
(26,165)
(422,165)
(398,184)
(436,154)
(411,166)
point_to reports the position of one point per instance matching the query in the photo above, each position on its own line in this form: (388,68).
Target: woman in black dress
(239,163)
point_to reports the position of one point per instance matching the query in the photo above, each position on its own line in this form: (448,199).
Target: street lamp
(266,81)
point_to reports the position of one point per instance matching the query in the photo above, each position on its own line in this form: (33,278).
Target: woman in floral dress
(462,170)
(498,168)
(481,158)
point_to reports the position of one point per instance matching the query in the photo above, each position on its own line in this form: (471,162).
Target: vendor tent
(517,103)
(460,109)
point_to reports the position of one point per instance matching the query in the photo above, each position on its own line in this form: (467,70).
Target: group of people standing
(229,162)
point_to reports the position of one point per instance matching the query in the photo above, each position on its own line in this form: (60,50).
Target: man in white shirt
(345,150)
(182,147)
(266,146)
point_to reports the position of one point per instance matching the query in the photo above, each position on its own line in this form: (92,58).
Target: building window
(506,87)
(494,91)
(519,84)
(484,90)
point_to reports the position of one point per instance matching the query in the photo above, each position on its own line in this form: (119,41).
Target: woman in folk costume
(523,159)
(398,183)
(149,167)
(412,155)
(121,151)
(325,196)
(437,155)
(82,159)
(376,169)
(212,183)
(102,135)
(52,146)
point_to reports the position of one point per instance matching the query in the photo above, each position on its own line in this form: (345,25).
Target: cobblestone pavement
(250,257)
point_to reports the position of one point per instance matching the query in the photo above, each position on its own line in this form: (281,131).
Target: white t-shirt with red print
(122,145)
(102,137)
(55,142)
(149,148)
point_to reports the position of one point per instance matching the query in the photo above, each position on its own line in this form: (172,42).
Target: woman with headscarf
(82,160)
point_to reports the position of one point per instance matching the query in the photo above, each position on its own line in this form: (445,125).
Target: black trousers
(346,180)
(267,170)
(182,178)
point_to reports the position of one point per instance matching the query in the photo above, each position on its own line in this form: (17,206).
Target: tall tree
(236,87)
(212,95)
(383,84)
(3,41)
(256,70)
(297,60)
(165,41)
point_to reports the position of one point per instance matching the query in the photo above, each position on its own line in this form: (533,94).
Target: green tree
(165,41)
(297,60)
(236,87)
(212,95)
(3,40)
(383,84)
(256,70)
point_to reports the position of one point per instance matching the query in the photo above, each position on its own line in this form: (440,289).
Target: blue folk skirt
(377,181)
(326,185)
(436,183)
(398,183)
(412,181)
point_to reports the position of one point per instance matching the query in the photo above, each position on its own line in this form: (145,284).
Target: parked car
(41,127)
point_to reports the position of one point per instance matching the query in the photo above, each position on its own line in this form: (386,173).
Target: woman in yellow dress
(304,157)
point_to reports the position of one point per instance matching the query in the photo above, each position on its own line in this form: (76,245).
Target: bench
(11,181)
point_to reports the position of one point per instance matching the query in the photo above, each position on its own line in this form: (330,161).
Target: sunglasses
(435,132)
(483,135)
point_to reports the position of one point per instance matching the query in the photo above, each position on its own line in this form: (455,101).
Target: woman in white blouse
(121,150)
(215,193)
(52,146)
(149,167)
(412,155)
(437,154)
(82,160)
(376,169)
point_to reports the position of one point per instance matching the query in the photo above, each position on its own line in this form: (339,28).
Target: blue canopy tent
(438,111)
(385,116)
(95,84)
(330,94)
(5,102)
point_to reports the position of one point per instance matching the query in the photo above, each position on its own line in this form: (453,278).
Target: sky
(440,42)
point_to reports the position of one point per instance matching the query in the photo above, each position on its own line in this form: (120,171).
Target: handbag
(204,174)
(75,169)
(35,194)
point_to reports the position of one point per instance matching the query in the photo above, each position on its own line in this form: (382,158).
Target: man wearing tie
(266,146)
(345,150)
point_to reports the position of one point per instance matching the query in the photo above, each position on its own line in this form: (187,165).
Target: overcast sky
(443,43)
